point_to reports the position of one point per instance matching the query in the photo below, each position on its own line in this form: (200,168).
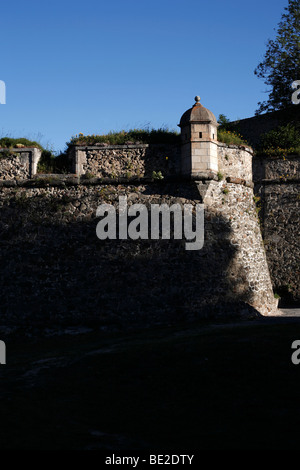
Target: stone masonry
(51,256)
(18,163)
(277,189)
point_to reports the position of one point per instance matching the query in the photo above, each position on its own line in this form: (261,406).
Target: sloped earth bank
(181,389)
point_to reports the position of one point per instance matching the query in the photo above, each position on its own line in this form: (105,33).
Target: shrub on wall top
(281,140)
(144,136)
(9,142)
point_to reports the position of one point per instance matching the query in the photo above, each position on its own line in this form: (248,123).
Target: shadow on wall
(162,159)
(56,272)
(277,200)
(127,161)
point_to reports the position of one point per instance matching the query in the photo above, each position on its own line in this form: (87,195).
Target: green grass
(50,163)
(149,136)
(230,386)
(278,151)
(281,141)
(230,137)
(145,136)
(9,142)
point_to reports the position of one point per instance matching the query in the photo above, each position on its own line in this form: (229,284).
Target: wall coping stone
(132,146)
(112,147)
(62,180)
(280,181)
(19,149)
(277,157)
(247,148)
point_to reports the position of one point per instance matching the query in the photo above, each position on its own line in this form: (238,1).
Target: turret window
(200,135)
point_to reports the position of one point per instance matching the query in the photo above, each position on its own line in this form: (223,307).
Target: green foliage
(230,137)
(6,153)
(46,162)
(227,132)
(281,141)
(281,64)
(223,121)
(153,136)
(145,136)
(157,175)
(283,136)
(49,163)
(220,176)
(9,142)
(257,201)
(88,176)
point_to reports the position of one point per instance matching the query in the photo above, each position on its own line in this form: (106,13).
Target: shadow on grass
(166,389)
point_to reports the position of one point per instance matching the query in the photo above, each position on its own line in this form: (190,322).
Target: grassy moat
(181,389)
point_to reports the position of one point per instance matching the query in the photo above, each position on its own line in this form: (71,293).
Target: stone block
(213,166)
(200,151)
(199,166)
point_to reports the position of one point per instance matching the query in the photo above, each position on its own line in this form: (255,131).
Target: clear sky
(96,66)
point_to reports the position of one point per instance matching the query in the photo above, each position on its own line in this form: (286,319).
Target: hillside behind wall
(252,128)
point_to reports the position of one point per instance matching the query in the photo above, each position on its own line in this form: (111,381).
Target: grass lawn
(180,389)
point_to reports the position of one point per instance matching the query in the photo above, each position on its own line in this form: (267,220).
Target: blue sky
(99,66)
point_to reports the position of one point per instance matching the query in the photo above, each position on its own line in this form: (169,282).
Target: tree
(223,120)
(281,64)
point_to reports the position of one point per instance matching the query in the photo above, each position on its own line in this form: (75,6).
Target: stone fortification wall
(277,188)
(18,163)
(143,159)
(235,162)
(125,160)
(54,269)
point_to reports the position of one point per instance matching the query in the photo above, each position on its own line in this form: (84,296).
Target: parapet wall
(126,161)
(18,163)
(129,160)
(142,160)
(277,189)
(276,168)
(235,161)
